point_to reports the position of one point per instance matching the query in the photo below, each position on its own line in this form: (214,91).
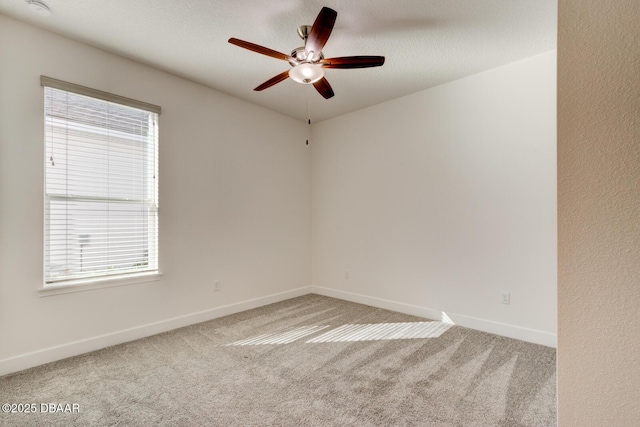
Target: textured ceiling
(425,42)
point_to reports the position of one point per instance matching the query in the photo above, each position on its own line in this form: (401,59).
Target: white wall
(234,204)
(599,213)
(438,201)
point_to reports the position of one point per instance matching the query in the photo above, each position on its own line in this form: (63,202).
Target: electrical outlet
(505,298)
(216,285)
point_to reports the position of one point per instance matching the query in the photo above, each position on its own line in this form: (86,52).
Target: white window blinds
(101,186)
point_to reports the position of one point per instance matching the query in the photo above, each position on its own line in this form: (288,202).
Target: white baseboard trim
(75,348)
(517,332)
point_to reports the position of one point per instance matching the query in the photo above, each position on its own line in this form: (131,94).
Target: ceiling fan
(308,62)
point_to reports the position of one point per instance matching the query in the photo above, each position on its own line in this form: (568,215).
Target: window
(101,184)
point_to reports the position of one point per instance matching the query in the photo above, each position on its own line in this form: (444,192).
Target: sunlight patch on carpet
(285,337)
(351,333)
(383,331)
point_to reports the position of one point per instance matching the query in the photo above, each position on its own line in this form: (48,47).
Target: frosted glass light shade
(306,73)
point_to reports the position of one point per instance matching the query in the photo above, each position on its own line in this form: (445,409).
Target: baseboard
(51,354)
(75,348)
(525,334)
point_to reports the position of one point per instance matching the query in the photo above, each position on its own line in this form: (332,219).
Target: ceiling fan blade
(352,62)
(260,49)
(320,31)
(324,88)
(272,81)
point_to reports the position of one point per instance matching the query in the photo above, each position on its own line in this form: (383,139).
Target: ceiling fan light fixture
(308,62)
(306,73)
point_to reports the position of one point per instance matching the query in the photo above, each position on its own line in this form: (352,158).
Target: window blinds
(101,186)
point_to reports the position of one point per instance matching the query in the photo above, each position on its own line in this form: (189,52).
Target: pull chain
(308,122)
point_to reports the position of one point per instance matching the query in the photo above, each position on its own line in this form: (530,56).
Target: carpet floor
(307,361)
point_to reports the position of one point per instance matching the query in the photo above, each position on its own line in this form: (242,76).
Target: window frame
(101,280)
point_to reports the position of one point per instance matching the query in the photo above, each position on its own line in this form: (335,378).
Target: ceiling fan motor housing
(301,56)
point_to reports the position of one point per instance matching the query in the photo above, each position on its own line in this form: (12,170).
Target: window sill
(82,285)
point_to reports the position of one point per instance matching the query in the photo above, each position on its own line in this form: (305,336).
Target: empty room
(319,213)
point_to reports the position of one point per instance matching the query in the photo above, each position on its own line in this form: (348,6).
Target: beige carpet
(308,361)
